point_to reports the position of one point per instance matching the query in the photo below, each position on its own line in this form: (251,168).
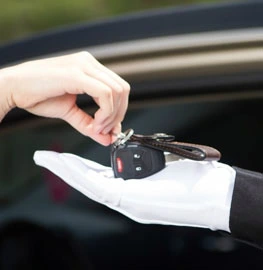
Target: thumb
(84,123)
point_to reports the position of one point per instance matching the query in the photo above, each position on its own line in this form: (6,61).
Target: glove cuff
(224,176)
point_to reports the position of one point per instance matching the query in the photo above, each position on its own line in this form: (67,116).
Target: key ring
(123,137)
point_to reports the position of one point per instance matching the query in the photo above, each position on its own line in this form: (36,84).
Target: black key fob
(133,160)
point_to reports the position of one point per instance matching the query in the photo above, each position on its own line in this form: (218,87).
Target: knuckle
(85,54)
(74,71)
(120,118)
(108,112)
(107,92)
(84,57)
(127,87)
(118,89)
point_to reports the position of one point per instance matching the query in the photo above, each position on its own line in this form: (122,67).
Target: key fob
(134,161)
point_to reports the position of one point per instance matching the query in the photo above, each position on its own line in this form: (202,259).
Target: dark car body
(195,72)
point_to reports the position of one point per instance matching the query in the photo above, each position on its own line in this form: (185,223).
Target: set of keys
(131,159)
(135,156)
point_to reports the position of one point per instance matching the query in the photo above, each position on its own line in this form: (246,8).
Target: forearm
(6,82)
(246,215)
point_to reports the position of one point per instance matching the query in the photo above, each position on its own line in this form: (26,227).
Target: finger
(100,138)
(115,131)
(89,163)
(81,177)
(114,76)
(123,95)
(119,117)
(107,125)
(112,130)
(106,190)
(53,162)
(118,95)
(101,92)
(83,123)
(112,119)
(104,77)
(78,119)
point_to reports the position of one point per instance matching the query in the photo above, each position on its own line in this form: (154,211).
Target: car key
(135,156)
(132,160)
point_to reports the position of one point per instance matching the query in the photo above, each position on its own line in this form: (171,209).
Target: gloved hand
(185,192)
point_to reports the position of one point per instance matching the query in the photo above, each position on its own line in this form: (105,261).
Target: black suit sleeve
(246,214)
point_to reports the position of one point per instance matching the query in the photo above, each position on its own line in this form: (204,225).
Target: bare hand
(49,88)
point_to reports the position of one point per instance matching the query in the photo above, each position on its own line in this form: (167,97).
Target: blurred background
(195,61)
(20,19)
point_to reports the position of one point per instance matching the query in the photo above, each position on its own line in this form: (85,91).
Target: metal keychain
(133,160)
(123,137)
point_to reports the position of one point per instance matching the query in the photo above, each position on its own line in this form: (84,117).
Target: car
(195,72)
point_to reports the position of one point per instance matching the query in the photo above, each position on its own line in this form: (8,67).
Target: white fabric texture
(184,193)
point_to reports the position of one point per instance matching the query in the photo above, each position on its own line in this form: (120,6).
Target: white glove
(185,192)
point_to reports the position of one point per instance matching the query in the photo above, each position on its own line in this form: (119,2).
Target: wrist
(6,101)
(224,176)
(246,217)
